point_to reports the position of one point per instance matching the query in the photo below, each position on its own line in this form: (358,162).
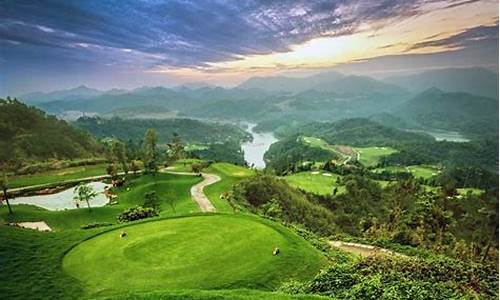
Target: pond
(254,150)
(64,200)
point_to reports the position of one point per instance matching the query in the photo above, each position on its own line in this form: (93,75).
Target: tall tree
(151,151)
(120,153)
(4,185)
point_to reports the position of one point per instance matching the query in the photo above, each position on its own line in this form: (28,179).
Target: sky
(49,45)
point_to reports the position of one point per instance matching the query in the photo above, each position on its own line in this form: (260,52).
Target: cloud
(470,38)
(192,33)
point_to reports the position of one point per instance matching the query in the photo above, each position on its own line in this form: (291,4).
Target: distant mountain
(477,81)
(81,92)
(194,85)
(329,81)
(290,84)
(359,85)
(462,112)
(27,133)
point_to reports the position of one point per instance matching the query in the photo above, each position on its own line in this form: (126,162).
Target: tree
(176,147)
(151,151)
(120,153)
(85,193)
(112,171)
(3,185)
(135,166)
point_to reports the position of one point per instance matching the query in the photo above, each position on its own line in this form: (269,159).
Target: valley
(253,192)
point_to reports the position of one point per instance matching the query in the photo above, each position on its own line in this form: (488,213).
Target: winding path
(197,190)
(362,249)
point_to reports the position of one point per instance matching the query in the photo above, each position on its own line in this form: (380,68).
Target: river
(254,150)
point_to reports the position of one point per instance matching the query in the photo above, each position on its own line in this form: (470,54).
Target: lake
(254,150)
(64,200)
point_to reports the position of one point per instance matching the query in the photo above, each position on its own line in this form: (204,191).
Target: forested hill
(192,131)
(27,133)
(466,113)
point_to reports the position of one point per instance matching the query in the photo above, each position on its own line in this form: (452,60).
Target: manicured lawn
(235,294)
(314,183)
(57,175)
(230,174)
(200,252)
(173,191)
(424,172)
(183,165)
(370,156)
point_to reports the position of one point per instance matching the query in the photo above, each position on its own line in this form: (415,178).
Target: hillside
(477,81)
(191,131)
(27,133)
(462,112)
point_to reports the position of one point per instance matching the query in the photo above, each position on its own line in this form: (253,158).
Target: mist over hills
(449,99)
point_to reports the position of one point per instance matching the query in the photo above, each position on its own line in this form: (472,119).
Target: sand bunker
(41,225)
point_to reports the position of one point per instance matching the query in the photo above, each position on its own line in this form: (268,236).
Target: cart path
(362,249)
(197,190)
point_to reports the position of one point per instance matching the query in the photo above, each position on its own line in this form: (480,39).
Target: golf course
(200,252)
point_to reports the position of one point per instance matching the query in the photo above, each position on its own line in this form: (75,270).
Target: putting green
(201,252)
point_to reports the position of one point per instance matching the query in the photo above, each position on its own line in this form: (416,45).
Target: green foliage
(84,193)
(137,213)
(272,197)
(27,134)
(191,131)
(221,152)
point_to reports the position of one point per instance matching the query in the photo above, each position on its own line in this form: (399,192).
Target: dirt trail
(197,190)
(362,249)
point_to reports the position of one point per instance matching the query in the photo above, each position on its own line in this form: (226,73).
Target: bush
(95,225)
(137,213)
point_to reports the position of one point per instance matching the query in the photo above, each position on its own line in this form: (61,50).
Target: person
(77,205)
(276,250)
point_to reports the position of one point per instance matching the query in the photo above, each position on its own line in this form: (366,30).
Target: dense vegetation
(28,134)
(191,131)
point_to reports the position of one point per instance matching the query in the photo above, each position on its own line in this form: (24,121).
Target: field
(173,191)
(422,171)
(183,165)
(315,183)
(54,176)
(203,252)
(370,156)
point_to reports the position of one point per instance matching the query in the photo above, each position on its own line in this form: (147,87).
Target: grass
(173,190)
(201,252)
(236,294)
(230,174)
(183,165)
(424,172)
(31,264)
(370,156)
(54,176)
(314,183)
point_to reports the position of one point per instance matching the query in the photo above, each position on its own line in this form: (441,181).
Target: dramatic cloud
(147,34)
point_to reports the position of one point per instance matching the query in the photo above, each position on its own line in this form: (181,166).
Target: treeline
(192,131)
(27,134)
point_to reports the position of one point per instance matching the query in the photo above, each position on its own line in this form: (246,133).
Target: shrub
(95,225)
(151,200)
(137,213)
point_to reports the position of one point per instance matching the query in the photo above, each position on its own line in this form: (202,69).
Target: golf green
(200,252)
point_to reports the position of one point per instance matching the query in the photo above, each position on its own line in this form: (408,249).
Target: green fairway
(201,252)
(173,191)
(424,172)
(370,156)
(315,183)
(229,174)
(54,176)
